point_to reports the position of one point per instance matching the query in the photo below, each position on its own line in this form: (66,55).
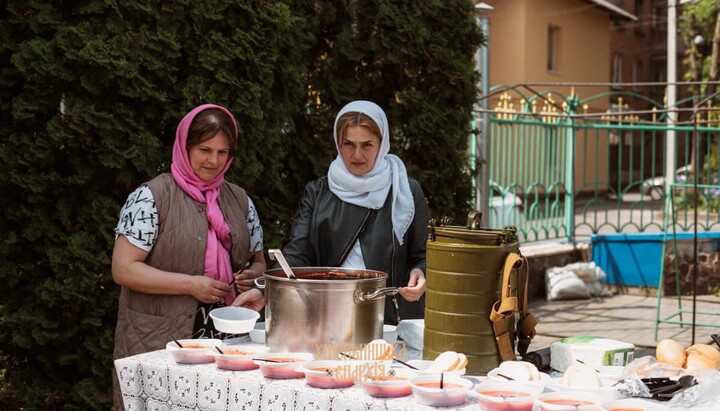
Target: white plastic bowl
(569,401)
(506,395)
(238,357)
(282,370)
(426,390)
(493,376)
(395,382)
(633,404)
(257,334)
(234,320)
(606,393)
(194,351)
(421,365)
(331,373)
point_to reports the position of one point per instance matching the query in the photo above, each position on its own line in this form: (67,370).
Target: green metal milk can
(464,276)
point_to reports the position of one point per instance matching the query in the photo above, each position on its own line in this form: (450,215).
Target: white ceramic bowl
(506,395)
(606,393)
(569,401)
(257,334)
(421,365)
(426,390)
(194,351)
(286,368)
(542,382)
(234,320)
(393,383)
(238,357)
(331,373)
(633,404)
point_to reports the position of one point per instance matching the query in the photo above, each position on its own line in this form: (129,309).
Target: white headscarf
(371,189)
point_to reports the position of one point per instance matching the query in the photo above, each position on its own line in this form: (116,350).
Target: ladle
(276,254)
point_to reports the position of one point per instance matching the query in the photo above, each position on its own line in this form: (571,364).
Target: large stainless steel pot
(330,306)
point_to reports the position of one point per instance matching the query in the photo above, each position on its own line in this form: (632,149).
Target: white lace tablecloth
(153,381)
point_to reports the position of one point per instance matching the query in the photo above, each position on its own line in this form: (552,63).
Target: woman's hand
(416,286)
(244,279)
(253,299)
(207,290)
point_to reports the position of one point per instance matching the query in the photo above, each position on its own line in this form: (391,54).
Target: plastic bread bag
(646,374)
(706,392)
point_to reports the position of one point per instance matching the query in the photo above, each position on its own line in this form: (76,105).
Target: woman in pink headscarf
(186,241)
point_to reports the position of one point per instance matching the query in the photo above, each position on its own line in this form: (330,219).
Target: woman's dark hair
(207,124)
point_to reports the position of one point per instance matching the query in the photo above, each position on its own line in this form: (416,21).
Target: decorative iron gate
(562,167)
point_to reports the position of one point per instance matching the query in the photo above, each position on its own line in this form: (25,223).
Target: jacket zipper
(392,279)
(355,237)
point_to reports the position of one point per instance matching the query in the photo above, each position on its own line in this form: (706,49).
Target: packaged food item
(594,351)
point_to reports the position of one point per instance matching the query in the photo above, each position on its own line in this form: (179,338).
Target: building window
(553,48)
(637,74)
(617,63)
(638,8)
(659,16)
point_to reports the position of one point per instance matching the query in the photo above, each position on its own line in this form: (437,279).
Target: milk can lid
(471,232)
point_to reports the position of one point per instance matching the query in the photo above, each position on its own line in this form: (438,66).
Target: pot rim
(357,275)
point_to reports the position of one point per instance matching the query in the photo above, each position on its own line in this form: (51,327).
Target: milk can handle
(362,296)
(473,220)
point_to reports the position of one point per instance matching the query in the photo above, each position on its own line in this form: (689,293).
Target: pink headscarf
(219,243)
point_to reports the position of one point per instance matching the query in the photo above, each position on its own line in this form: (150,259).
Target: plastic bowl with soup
(494,375)
(569,401)
(193,351)
(238,357)
(428,389)
(284,365)
(331,373)
(506,396)
(394,383)
(632,404)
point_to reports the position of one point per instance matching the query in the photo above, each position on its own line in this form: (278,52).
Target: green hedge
(91,93)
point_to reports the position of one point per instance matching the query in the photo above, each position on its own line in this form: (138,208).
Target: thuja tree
(415,59)
(90,95)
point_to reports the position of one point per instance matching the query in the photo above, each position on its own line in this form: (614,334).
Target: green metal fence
(566,168)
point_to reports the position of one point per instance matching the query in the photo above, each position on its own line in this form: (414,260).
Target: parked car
(655,187)
(506,208)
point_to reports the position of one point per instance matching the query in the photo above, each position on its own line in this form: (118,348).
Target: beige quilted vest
(146,322)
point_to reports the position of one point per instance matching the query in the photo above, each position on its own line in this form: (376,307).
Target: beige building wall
(518,54)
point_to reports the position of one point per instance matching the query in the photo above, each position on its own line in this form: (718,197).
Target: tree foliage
(91,93)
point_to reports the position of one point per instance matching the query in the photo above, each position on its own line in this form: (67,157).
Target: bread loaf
(671,352)
(702,357)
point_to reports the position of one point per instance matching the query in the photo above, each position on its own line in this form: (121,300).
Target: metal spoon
(276,254)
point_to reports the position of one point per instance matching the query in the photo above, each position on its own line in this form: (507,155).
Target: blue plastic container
(635,259)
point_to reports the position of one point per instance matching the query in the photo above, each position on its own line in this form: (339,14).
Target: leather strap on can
(527,322)
(508,304)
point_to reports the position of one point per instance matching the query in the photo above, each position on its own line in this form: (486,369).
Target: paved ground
(629,318)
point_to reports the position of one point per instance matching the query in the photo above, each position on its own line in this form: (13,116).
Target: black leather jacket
(325,228)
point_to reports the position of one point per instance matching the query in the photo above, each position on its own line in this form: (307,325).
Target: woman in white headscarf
(366,213)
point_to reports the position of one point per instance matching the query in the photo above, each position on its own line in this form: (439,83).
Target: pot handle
(362,296)
(260,283)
